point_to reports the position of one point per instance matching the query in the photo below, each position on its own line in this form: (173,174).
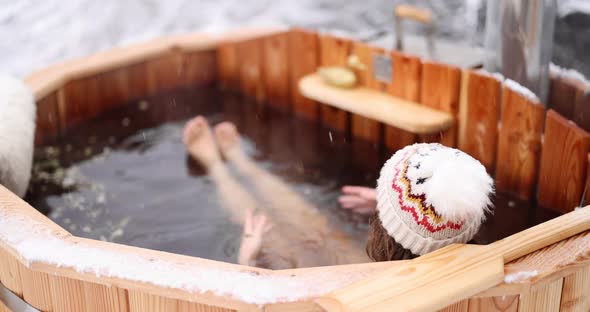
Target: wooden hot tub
(530,151)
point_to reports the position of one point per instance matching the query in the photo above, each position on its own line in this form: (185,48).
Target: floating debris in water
(86,229)
(51,151)
(143,105)
(330,135)
(125,122)
(116,234)
(88,151)
(101,198)
(511,203)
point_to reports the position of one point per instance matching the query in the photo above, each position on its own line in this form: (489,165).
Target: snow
(519,276)
(34,242)
(496,76)
(522,90)
(568,73)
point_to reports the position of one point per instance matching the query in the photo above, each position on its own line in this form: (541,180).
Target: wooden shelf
(406,115)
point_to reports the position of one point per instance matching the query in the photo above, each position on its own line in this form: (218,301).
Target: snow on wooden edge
(568,73)
(34,242)
(522,90)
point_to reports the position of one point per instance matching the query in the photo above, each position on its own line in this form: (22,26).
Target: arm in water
(359,199)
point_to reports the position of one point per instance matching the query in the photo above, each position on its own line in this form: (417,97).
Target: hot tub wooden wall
(529,151)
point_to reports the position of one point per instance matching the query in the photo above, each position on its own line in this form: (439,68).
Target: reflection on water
(125,177)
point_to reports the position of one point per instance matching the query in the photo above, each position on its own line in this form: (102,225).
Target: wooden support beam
(250,66)
(519,144)
(363,127)
(478,117)
(574,296)
(303,60)
(334,51)
(405,83)
(275,70)
(227,66)
(563,92)
(440,89)
(105,298)
(48,127)
(546,298)
(564,162)
(199,68)
(67,294)
(582,109)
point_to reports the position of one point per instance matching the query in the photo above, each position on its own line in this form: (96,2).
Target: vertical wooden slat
(405,84)
(303,60)
(250,64)
(563,163)
(185,306)
(461,306)
(9,273)
(575,296)
(480,109)
(362,127)
(494,304)
(138,82)
(199,68)
(519,144)
(103,298)
(113,88)
(293,307)
(275,70)
(546,298)
(440,90)
(563,92)
(47,119)
(582,109)
(142,302)
(334,51)
(165,72)
(81,101)
(228,67)
(66,294)
(36,290)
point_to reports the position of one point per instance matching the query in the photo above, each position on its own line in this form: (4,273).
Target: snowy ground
(36,33)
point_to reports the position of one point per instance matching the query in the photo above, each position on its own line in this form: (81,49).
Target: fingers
(351,201)
(361,191)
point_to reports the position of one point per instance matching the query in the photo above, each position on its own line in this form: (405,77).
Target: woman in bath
(428,196)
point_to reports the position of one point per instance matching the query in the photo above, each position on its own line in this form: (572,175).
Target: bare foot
(199,142)
(228,139)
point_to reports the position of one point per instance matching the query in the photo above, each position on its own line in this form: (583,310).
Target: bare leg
(287,208)
(201,145)
(240,204)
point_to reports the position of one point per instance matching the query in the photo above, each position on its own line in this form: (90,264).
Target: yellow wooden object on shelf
(393,111)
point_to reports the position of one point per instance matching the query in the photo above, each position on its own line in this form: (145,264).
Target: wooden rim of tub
(549,260)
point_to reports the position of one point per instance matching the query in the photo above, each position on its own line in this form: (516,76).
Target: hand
(361,200)
(255,227)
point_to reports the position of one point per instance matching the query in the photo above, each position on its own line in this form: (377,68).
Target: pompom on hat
(430,196)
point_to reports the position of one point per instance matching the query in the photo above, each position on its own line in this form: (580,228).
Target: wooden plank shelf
(393,111)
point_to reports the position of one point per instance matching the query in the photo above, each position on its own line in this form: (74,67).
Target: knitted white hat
(430,196)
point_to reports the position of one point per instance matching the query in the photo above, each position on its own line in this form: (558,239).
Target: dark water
(125,177)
